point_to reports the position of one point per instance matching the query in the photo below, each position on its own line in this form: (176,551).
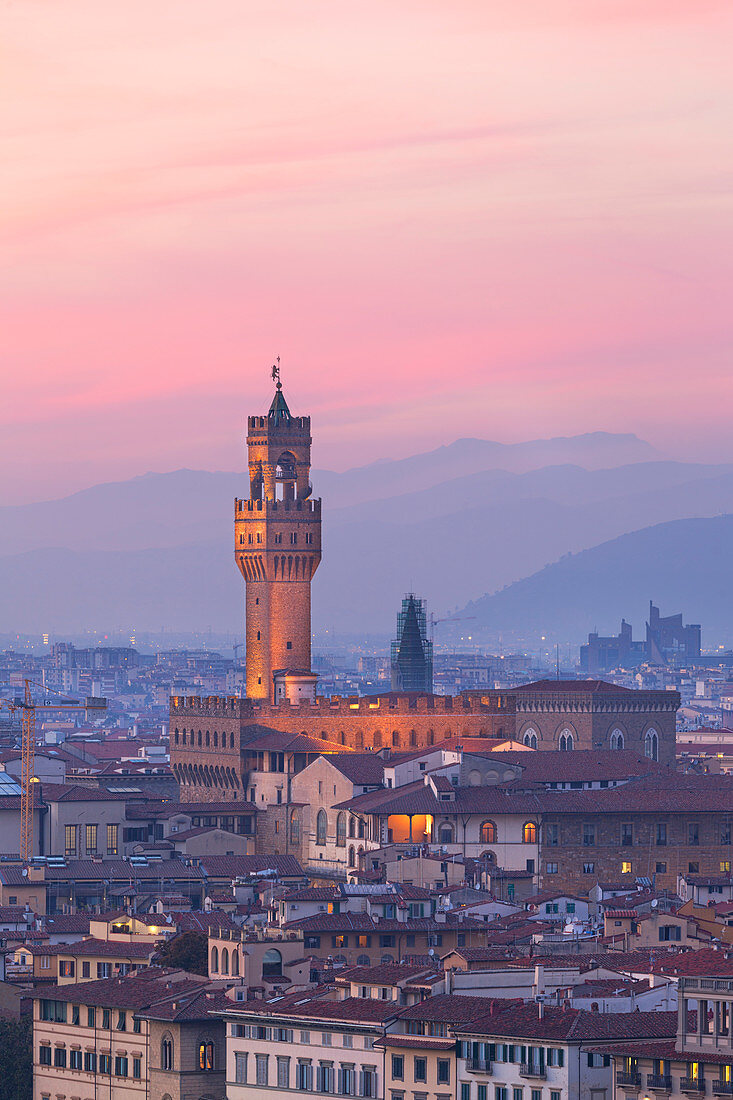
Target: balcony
(478,1065)
(659,1082)
(722,1088)
(694,1085)
(532,1069)
(628,1080)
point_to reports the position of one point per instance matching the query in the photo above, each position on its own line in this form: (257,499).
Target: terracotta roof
(415,1042)
(362,768)
(235,866)
(667,1051)
(573,1024)
(357,1009)
(131,993)
(583,687)
(455,1008)
(387,974)
(109,948)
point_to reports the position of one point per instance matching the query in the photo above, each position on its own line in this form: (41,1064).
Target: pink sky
(448,219)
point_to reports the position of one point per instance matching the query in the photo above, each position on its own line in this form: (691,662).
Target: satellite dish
(655,903)
(431,951)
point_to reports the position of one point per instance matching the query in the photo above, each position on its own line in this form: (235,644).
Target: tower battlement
(296,425)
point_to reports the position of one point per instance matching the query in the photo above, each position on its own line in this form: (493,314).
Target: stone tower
(277,540)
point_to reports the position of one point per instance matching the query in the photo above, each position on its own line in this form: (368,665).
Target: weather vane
(276,372)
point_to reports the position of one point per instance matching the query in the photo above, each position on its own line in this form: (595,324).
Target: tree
(186,951)
(16,1058)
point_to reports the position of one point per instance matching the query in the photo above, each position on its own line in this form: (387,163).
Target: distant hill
(158,550)
(682,565)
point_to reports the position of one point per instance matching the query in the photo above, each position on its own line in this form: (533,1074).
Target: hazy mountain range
(454,524)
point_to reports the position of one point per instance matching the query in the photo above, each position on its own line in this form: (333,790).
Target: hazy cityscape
(366,646)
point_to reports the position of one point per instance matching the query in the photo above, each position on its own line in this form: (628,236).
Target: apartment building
(130,1039)
(307,1044)
(698,1061)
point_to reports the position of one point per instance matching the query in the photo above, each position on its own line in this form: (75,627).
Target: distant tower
(412,653)
(277,540)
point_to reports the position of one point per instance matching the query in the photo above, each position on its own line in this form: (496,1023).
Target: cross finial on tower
(276,373)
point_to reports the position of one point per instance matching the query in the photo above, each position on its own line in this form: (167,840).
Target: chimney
(540,1010)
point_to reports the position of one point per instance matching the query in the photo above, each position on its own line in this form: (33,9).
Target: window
(565,744)
(348,1040)
(488,832)
(421,1069)
(466,1090)
(66,968)
(724,835)
(206,1056)
(517,1094)
(105,1063)
(500,1092)
(529,833)
(530,739)
(669,932)
(443,1071)
(325,1077)
(588,868)
(53,1011)
(551,868)
(90,1061)
(536,1094)
(346,1079)
(693,834)
(111,840)
(121,1066)
(725,866)
(321,827)
(295,827)
(626,867)
(240,1068)
(651,745)
(693,868)
(70,840)
(91,839)
(137,1065)
(121,1021)
(589,835)
(59,1057)
(341,830)
(482,1092)
(660,868)
(398,1067)
(261,1061)
(445,834)
(44,1055)
(303,1075)
(552,835)
(661,834)
(283,1073)
(627,834)
(166,1053)
(368,1081)
(617,739)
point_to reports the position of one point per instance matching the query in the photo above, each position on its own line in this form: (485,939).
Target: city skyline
(447,223)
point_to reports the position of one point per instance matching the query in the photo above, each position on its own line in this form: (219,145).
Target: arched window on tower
(617,740)
(565,744)
(530,739)
(651,745)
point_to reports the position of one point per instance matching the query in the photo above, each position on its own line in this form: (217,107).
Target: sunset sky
(472,217)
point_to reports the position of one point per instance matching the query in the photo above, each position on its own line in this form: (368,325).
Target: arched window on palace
(295,826)
(341,830)
(321,827)
(617,740)
(445,834)
(488,832)
(214,960)
(565,743)
(529,833)
(530,739)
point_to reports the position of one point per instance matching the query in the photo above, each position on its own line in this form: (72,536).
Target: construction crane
(452,619)
(28,708)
